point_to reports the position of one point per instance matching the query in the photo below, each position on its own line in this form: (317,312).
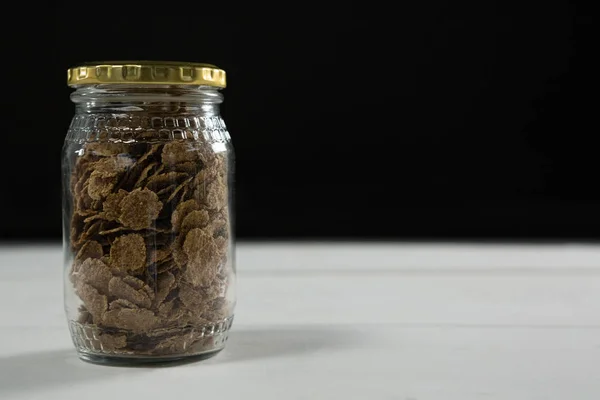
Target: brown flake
(82,179)
(94,273)
(147,290)
(194,298)
(111,342)
(157,255)
(99,186)
(85,202)
(191,318)
(203,258)
(176,152)
(114,230)
(120,304)
(186,193)
(90,229)
(111,207)
(176,344)
(165,283)
(161,181)
(120,289)
(105,176)
(178,190)
(91,249)
(222,245)
(128,253)
(200,179)
(94,217)
(94,302)
(174,199)
(137,174)
(77,225)
(200,193)
(152,153)
(165,309)
(174,314)
(219,227)
(146,172)
(218,310)
(164,194)
(188,167)
(139,285)
(166,265)
(139,209)
(134,282)
(164,333)
(179,255)
(216,195)
(181,211)
(133,319)
(112,166)
(216,288)
(195,219)
(84,316)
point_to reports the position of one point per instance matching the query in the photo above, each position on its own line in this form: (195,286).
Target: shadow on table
(42,370)
(51,369)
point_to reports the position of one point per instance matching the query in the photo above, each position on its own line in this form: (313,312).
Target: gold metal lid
(146,73)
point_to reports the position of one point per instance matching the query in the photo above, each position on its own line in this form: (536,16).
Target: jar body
(148,224)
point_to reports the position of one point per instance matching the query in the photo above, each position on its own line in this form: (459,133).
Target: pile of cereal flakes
(150,234)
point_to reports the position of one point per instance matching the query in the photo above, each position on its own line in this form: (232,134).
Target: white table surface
(342,321)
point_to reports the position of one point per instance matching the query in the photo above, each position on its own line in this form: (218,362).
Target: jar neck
(164,99)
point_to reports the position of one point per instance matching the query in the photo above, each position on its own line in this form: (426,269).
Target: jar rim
(147,73)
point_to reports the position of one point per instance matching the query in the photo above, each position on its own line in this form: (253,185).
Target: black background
(413,120)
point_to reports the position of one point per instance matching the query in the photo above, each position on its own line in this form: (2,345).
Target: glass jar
(148,213)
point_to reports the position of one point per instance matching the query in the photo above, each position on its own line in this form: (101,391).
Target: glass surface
(148,223)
